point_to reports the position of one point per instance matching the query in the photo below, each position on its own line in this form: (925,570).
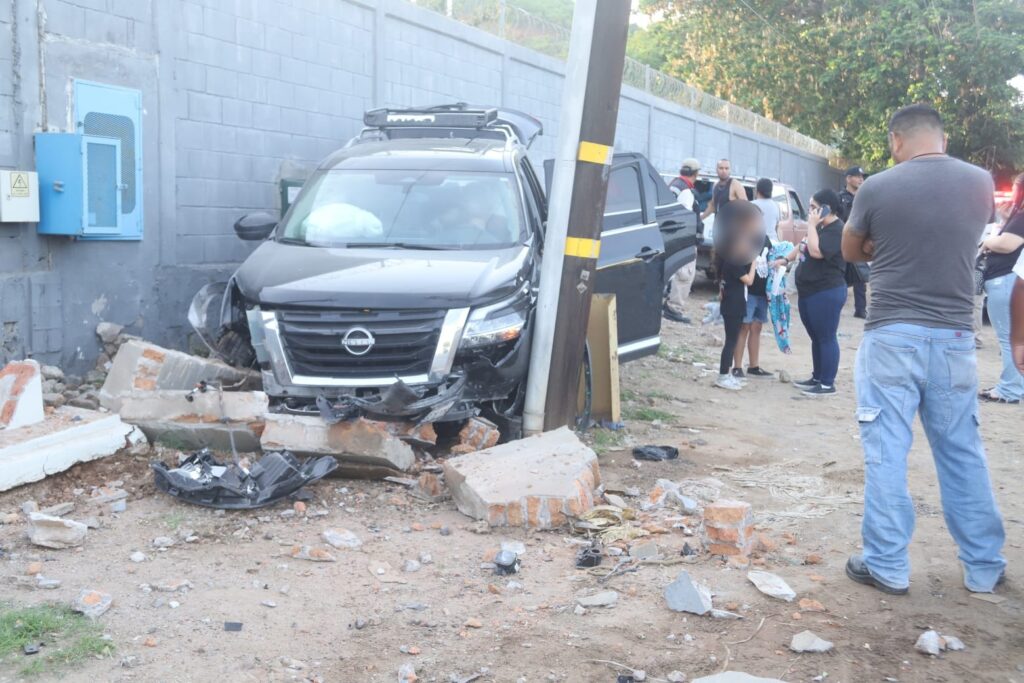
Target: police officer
(858,273)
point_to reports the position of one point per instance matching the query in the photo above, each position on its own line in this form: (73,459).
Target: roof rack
(451,120)
(444,116)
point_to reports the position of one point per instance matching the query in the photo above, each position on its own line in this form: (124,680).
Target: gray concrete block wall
(237,96)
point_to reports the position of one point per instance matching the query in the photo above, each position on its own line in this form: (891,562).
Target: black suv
(403,279)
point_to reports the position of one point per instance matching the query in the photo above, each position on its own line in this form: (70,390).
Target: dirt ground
(796,460)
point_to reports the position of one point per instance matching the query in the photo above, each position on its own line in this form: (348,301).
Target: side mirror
(255,226)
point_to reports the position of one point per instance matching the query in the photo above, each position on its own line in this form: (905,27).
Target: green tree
(836,70)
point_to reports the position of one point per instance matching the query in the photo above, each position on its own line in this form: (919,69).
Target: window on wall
(109,118)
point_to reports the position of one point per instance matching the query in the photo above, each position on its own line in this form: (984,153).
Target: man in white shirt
(769,209)
(682,279)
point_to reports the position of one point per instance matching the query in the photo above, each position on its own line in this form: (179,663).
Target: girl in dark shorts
(737,238)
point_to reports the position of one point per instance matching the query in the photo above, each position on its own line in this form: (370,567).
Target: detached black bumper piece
(202,480)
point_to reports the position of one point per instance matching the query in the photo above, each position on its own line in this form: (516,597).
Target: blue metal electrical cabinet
(91,180)
(59,163)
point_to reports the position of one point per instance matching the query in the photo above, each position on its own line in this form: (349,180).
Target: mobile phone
(825,210)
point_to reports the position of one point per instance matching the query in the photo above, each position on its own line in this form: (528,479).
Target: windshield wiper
(396,245)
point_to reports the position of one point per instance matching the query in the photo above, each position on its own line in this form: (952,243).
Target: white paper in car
(339,223)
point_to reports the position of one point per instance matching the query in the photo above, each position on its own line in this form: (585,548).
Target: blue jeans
(902,370)
(1011,382)
(819,312)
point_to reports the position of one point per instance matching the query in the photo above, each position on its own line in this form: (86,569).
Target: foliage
(69,637)
(836,70)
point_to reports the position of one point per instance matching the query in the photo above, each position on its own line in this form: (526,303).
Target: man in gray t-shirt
(925,217)
(919,224)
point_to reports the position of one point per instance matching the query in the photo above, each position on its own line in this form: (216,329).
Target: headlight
(497,323)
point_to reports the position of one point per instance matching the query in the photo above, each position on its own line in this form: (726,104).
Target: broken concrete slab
(359,442)
(141,366)
(67,437)
(192,420)
(538,482)
(21,394)
(53,532)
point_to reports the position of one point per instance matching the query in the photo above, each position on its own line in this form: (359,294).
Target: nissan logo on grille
(358,341)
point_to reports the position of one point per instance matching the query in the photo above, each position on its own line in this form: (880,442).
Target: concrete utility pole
(590,106)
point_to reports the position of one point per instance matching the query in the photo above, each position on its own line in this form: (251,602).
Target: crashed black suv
(402,281)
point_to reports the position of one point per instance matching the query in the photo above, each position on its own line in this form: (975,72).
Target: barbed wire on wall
(519,26)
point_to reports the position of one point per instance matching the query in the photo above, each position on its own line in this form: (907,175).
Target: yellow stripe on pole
(582,247)
(595,153)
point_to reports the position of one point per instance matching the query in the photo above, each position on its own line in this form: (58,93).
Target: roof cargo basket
(452,120)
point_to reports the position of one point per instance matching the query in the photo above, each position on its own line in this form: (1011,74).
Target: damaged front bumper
(202,480)
(459,383)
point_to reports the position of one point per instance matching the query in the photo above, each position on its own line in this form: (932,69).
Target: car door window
(623,191)
(798,209)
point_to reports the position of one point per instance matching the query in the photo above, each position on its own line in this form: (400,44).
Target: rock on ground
(683,595)
(92,603)
(54,532)
(341,538)
(602,599)
(771,585)
(807,641)
(735,677)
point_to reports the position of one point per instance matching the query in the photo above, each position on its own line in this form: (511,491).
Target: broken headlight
(497,323)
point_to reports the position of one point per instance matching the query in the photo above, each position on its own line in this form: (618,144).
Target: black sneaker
(859,572)
(807,384)
(738,373)
(756,371)
(669,314)
(820,390)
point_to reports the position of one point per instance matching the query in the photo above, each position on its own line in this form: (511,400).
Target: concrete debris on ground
(341,539)
(21,394)
(728,528)
(807,641)
(66,437)
(476,435)
(932,642)
(667,492)
(358,442)
(602,599)
(143,367)
(735,677)
(538,482)
(685,595)
(53,532)
(311,553)
(92,603)
(197,419)
(771,585)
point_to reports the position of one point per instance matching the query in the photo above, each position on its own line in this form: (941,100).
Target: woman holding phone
(821,287)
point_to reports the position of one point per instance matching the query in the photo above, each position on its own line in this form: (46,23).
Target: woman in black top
(821,286)
(737,239)
(1002,251)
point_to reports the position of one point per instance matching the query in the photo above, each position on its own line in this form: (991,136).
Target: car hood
(279,274)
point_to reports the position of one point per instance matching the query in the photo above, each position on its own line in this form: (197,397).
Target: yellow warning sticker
(582,248)
(19,185)
(595,153)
